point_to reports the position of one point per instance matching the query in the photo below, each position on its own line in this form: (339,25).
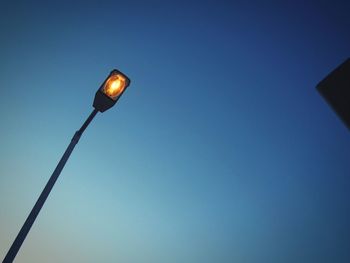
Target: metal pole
(16,245)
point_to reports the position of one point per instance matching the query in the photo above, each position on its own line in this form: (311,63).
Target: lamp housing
(111,90)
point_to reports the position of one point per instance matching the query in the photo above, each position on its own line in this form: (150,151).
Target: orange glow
(114,86)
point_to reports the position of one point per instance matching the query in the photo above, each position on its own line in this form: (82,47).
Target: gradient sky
(221,150)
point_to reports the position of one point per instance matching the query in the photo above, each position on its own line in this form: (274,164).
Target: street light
(106,96)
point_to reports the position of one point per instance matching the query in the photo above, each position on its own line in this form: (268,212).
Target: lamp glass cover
(114,86)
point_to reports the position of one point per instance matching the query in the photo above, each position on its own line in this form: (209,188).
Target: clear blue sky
(221,150)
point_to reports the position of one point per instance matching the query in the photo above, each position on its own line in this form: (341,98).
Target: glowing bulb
(114,86)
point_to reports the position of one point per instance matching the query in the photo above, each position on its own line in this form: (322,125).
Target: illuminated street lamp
(110,91)
(106,96)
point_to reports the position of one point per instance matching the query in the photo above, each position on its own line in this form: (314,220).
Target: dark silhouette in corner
(335,88)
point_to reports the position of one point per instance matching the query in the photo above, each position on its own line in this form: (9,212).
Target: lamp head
(111,90)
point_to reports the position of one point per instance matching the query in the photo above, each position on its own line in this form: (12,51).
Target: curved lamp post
(106,96)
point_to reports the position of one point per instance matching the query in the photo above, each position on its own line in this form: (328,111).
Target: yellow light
(114,86)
